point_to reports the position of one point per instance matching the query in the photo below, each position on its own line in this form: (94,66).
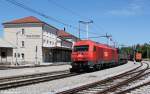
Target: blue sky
(128,21)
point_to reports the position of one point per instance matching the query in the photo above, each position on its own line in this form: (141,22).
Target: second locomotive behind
(89,55)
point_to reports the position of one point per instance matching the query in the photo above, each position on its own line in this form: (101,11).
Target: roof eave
(21,23)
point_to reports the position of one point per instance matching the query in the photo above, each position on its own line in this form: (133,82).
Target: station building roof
(5,44)
(29,19)
(64,34)
(32,19)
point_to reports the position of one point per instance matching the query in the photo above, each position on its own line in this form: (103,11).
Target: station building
(30,40)
(6,50)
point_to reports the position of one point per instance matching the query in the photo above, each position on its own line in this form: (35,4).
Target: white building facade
(32,38)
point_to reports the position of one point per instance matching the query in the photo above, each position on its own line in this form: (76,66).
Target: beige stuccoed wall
(49,36)
(31,38)
(35,34)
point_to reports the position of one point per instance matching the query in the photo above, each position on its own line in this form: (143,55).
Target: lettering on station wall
(33,36)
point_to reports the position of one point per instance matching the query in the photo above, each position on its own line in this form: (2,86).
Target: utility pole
(147,52)
(114,44)
(87,26)
(79,29)
(36,49)
(108,37)
(134,48)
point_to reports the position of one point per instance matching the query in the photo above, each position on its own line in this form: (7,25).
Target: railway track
(22,80)
(125,90)
(142,79)
(119,87)
(140,89)
(109,85)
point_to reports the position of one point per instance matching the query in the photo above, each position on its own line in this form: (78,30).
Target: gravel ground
(141,82)
(24,71)
(70,82)
(142,90)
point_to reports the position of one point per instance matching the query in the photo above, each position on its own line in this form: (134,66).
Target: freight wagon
(138,57)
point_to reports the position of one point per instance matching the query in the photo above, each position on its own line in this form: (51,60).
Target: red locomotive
(89,55)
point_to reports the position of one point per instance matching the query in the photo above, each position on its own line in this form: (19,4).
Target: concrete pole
(108,40)
(147,52)
(36,54)
(108,37)
(87,27)
(79,30)
(114,44)
(87,31)
(134,47)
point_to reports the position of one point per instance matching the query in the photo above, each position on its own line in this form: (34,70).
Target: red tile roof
(62,33)
(29,19)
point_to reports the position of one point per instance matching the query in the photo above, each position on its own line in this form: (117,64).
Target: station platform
(44,64)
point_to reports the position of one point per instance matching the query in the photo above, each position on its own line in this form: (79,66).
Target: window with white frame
(22,43)
(22,55)
(14,54)
(18,55)
(23,32)
(43,40)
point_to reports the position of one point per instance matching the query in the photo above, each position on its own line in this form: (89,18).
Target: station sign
(33,36)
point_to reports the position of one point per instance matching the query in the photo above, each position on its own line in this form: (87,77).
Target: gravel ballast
(70,82)
(25,71)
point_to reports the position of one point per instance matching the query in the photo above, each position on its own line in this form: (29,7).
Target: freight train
(88,55)
(138,57)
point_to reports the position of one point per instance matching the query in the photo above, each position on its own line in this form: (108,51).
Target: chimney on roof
(64,29)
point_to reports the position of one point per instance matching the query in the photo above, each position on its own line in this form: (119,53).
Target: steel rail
(34,80)
(87,86)
(25,76)
(133,88)
(137,86)
(114,87)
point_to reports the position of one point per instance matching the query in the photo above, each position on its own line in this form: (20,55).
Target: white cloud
(133,8)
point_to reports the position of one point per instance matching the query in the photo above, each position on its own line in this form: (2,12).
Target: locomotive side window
(81,48)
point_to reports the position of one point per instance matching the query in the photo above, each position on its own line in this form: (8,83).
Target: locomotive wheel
(97,67)
(71,70)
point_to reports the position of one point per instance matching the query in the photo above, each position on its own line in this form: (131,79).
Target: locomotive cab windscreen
(81,48)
